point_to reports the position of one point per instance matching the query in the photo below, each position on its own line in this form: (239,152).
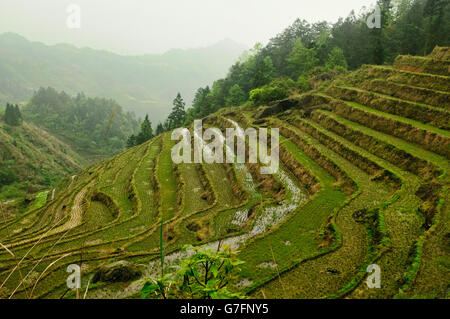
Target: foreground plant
(206,274)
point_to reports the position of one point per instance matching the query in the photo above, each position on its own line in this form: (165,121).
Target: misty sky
(155,26)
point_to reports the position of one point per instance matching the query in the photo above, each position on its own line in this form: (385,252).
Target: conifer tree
(159,128)
(131,141)
(12,115)
(146,132)
(178,114)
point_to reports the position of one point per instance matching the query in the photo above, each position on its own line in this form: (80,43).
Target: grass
(396,142)
(423,80)
(420,125)
(416,111)
(167,184)
(303,223)
(428,137)
(410,221)
(193,200)
(408,92)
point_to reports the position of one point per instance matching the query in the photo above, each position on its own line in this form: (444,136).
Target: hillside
(95,128)
(31,159)
(363,180)
(143,84)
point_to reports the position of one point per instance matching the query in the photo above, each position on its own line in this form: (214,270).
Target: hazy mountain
(143,84)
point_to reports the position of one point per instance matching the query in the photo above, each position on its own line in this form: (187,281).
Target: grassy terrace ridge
(27,221)
(348,257)
(395,150)
(278,246)
(422,64)
(425,96)
(167,184)
(418,124)
(83,233)
(409,203)
(427,136)
(441,167)
(360,157)
(427,114)
(288,249)
(422,80)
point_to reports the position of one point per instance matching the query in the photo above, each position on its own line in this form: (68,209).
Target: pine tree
(146,132)
(131,141)
(178,114)
(17,115)
(7,115)
(12,115)
(159,128)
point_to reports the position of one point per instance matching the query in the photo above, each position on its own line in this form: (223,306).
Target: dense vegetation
(94,127)
(303,49)
(31,159)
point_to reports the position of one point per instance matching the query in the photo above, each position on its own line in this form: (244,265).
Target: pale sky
(155,26)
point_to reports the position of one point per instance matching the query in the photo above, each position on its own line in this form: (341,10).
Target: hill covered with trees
(31,159)
(94,127)
(306,49)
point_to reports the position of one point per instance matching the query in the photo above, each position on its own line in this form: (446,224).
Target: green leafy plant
(206,274)
(303,84)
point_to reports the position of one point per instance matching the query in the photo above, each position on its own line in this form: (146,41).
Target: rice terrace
(361,189)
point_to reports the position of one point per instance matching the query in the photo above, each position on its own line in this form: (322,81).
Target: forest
(95,127)
(305,49)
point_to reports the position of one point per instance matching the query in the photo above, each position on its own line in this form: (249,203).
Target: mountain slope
(363,180)
(143,84)
(31,159)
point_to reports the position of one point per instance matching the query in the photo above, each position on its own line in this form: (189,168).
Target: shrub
(7,176)
(303,84)
(276,90)
(336,60)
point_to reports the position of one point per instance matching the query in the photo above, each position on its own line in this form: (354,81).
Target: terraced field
(363,180)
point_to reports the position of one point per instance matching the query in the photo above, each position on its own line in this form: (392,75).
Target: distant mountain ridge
(143,84)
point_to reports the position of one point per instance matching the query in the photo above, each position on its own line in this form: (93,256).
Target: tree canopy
(93,126)
(407,27)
